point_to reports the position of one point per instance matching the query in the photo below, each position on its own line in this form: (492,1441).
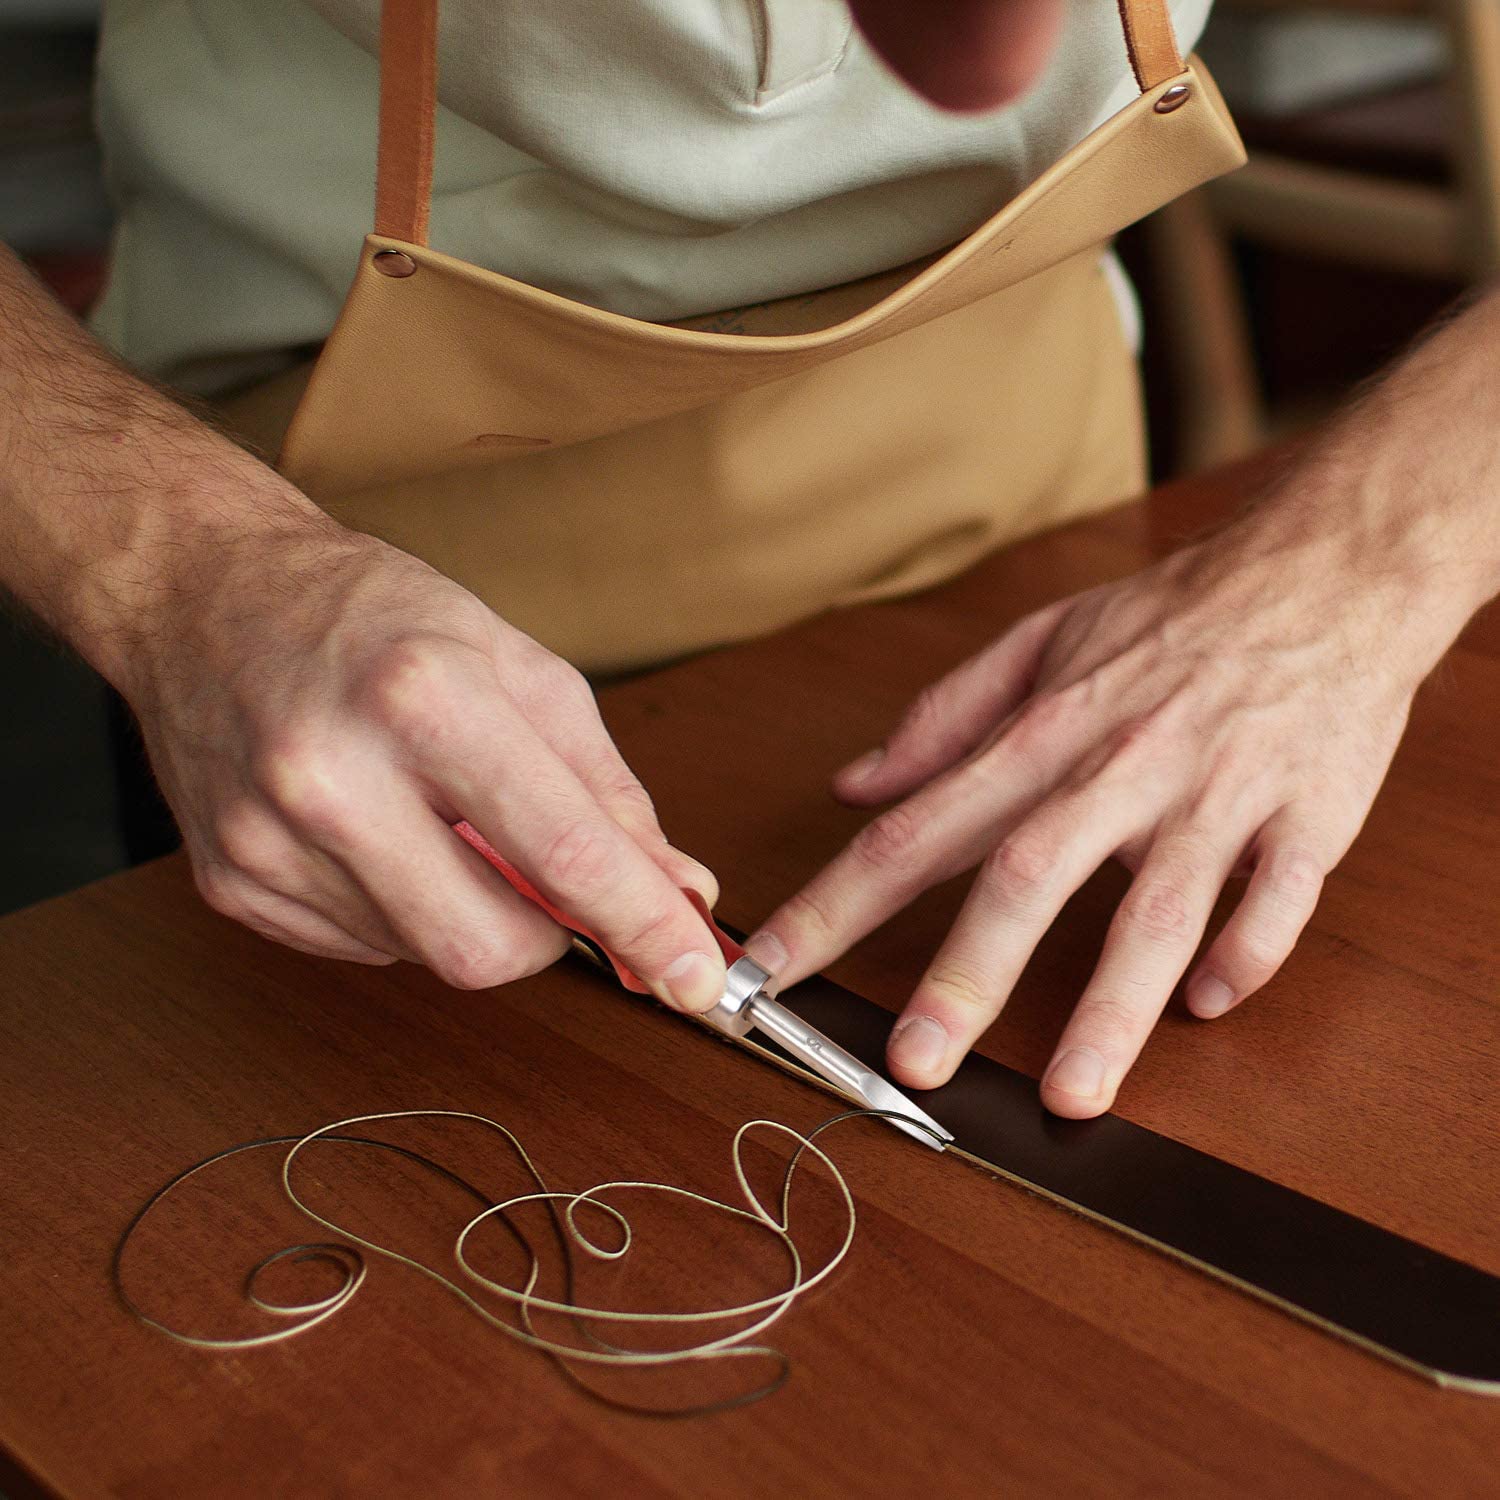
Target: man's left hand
(1232,709)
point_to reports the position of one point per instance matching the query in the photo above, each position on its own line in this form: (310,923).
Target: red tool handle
(523,887)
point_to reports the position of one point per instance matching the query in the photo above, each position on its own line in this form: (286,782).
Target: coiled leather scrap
(1434,1315)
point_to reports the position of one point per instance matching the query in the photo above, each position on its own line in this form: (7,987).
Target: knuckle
(407,685)
(248,841)
(564,678)
(302,779)
(894,838)
(1158,910)
(1255,954)
(1038,719)
(475,965)
(468,962)
(627,794)
(221,889)
(1192,844)
(991,772)
(654,931)
(1237,787)
(1134,738)
(1024,863)
(1108,1023)
(957,982)
(806,913)
(579,856)
(1297,876)
(540,681)
(926,715)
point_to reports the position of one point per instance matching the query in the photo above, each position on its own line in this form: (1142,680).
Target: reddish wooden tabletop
(977,1341)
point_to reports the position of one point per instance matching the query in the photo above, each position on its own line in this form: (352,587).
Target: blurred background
(1372,199)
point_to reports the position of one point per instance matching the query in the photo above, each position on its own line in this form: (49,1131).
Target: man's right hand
(318,706)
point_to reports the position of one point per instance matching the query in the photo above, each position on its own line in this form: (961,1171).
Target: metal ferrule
(745,980)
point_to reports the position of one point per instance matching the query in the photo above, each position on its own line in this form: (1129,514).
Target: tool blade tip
(906,1116)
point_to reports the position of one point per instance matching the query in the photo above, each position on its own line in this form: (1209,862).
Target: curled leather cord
(564,1210)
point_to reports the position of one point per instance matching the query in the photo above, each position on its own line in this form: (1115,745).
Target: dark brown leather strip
(1390,1295)
(408,107)
(408,100)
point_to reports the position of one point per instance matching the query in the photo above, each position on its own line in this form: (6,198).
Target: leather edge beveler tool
(749,1002)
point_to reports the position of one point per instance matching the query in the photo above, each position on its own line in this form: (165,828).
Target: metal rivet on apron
(394,263)
(1174,98)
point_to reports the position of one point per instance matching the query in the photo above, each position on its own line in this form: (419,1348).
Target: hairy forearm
(1405,483)
(112,496)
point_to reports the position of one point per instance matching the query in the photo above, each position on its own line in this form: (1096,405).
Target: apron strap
(408,104)
(1150,41)
(408,100)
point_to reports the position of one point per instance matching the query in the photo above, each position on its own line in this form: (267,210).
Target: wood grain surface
(978,1340)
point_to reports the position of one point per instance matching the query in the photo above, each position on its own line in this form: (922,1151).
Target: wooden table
(978,1340)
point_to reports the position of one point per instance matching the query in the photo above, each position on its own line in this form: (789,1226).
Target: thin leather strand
(572,1215)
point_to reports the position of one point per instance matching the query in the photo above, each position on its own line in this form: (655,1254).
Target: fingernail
(1078,1071)
(695,981)
(919,1045)
(861,769)
(1208,996)
(768,951)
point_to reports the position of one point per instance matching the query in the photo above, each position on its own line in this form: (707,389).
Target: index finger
(933,835)
(1019,891)
(536,812)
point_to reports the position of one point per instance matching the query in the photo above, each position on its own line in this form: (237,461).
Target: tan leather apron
(628,491)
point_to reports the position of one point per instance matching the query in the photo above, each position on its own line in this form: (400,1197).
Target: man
(318,705)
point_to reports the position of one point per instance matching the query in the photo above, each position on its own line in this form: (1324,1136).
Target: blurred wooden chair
(1358,217)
